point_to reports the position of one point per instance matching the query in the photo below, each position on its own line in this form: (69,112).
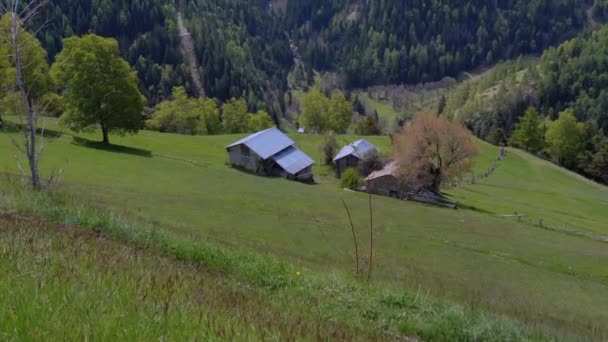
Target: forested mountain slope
(418,40)
(243,49)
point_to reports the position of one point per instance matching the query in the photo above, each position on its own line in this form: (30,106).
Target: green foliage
(239,55)
(368,126)
(314,112)
(34,64)
(180,115)
(351,179)
(99,87)
(529,134)
(575,76)
(421,40)
(52,104)
(329,148)
(11,104)
(321,114)
(210,116)
(594,161)
(339,112)
(565,138)
(260,121)
(494,100)
(235,117)
(497,137)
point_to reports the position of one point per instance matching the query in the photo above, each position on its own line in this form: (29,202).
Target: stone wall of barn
(345,163)
(241,156)
(385,186)
(305,175)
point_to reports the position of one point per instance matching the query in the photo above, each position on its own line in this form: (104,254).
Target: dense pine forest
(419,41)
(243,47)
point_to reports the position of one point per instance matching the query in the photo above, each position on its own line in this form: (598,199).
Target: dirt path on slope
(187,46)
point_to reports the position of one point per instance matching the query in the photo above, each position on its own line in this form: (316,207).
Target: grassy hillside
(474,257)
(540,190)
(68,284)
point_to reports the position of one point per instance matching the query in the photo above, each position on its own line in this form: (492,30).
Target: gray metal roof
(266,143)
(358,149)
(293,160)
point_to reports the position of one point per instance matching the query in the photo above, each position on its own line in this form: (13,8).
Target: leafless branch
(355,243)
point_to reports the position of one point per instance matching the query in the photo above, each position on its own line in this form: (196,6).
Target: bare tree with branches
(27,80)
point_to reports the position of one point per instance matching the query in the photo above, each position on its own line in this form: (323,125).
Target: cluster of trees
(89,82)
(240,46)
(420,40)
(491,104)
(243,51)
(556,107)
(575,145)
(201,116)
(569,118)
(322,114)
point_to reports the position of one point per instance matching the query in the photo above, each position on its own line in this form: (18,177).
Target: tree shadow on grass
(78,141)
(18,128)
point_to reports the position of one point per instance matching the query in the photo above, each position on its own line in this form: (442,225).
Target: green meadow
(474,257)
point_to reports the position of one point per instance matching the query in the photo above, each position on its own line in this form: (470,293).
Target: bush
(351,179)
(329,148)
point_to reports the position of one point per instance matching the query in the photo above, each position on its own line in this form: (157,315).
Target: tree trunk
(106,134)
(30,135)
(436,183)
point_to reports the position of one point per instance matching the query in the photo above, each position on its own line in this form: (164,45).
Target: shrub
(351,179)
(329,148)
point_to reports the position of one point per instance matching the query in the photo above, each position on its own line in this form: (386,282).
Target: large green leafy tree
(565,138)
(340,112)
(185,115)
(99,87)
(211,115)
(528,134)
(260,121)
(35,70)
(234,116)
(314,111)
(179,115)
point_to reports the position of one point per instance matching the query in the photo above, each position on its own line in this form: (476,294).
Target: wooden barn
(271,153)
(385,182)
(350,155)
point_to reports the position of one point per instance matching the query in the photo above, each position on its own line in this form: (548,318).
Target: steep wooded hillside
(419,41)
(243,48)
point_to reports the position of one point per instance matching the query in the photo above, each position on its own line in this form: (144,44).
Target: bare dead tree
(371,237)
(355,243)
(22,12)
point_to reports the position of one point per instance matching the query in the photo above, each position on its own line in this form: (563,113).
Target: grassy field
(551,280)
(94,276)
(70,285)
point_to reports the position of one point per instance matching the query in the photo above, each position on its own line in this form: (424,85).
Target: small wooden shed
(350,155)
(385,182)
(271,153)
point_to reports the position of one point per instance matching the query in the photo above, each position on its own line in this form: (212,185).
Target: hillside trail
(187,46)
